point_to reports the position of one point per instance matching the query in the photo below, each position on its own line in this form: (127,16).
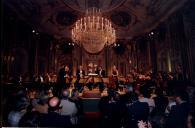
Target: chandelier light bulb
(93,31)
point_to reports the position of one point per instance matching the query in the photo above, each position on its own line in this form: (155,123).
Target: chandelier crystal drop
(93,31)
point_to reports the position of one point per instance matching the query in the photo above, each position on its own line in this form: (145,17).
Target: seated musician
(79,74)
(101,72)
(115,77)
(90,83)
(47,78)
(96,69)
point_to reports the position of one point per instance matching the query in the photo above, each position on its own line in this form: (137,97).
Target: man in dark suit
(64,77)
(101,72)
(61,74)
(79,74)
(61,80)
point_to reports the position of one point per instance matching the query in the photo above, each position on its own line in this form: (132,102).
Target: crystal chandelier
(93,31)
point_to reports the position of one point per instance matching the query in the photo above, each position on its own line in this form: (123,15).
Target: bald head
(54,103)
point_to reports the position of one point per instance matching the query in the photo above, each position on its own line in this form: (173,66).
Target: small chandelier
(93,31)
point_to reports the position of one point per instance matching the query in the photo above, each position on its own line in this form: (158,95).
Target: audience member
(53,118)
(42,106)
(18,111)
(30,119)
(68,107)
(191,120)
(144,96)
(137,111)
(178,115)
(78,101)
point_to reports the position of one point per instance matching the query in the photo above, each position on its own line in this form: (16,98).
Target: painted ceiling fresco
(129,17)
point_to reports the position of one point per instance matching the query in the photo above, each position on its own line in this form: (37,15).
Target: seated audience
(42,106)
(144,96)
(30,119)
(53,118)
(138,111)
(78,101)
(110,108)
(18,111)
(177,117)
(68,107)
(158,113)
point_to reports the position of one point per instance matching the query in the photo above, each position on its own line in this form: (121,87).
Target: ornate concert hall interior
(95,63)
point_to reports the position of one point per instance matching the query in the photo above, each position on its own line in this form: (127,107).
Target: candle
(102,23)
(93,22)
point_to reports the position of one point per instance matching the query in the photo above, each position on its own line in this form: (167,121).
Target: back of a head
(54,104)
(159,92)
(111,93)
(74,92)
(65,93)
(133,97)
(144,91)
(43,99)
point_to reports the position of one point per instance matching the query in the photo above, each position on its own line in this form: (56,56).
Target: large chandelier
(93,31)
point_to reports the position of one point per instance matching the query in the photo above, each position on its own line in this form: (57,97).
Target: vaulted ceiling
(129,17)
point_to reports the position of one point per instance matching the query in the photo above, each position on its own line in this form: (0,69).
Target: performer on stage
(101,72)
(115,77)
(79,74)
(96,70)
(67,76)
(90,68)
(64,77)
(114,71)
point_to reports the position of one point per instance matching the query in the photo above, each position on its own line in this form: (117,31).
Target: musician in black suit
(61,80)
(64,77)
(79,74)
(101,72)
(61,74)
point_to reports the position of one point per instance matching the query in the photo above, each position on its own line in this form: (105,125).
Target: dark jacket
(138,111)
(78,73)
(53,119)
(102,73)
(177,117)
